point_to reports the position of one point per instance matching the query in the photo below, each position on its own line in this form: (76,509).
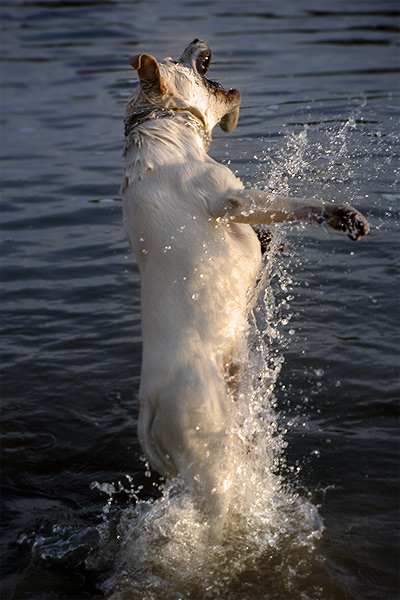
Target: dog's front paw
(344,217)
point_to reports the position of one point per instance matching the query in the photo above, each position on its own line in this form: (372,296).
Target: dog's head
(182,85)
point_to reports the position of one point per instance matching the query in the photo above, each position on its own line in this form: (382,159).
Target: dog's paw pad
(349,220)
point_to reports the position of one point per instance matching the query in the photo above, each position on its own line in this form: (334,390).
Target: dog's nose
(192,52)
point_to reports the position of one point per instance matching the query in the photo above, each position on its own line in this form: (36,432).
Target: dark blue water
(320,116)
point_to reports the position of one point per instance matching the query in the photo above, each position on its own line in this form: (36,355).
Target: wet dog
(189,221)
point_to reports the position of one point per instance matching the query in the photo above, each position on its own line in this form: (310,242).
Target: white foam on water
(165,550)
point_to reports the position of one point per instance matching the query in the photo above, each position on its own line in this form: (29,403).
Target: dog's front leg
(256,207)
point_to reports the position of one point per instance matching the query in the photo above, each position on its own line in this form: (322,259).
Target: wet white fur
(188,219)
(197,274)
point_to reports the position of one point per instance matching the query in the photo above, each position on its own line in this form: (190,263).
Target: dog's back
(196,273)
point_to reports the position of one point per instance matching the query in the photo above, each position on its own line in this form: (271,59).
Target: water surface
(319,117)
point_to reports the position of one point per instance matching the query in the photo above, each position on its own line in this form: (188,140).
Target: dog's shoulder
(191,178)
(216,178)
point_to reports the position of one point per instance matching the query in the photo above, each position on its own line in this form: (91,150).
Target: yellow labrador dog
(189,220)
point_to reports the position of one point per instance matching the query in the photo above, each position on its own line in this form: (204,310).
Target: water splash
(161,549)
(338,159)
(165,552)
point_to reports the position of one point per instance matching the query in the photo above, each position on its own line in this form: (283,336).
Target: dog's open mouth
(202,65)
(231,95)
(198,55)
(203,62)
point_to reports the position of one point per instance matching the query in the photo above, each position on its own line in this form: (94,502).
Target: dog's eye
(202,63)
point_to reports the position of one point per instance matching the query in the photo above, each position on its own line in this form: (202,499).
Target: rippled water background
(319,116)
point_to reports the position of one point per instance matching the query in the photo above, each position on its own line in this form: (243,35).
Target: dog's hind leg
(192,428)
(150,439)
(209,466)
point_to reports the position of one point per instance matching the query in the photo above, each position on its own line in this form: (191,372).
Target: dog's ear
(229,121)
(149,73)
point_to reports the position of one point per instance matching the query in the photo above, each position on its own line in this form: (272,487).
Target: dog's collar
(190,118)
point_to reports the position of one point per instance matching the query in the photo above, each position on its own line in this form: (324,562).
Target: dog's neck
(191,118)
(159,136)
(145,119)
